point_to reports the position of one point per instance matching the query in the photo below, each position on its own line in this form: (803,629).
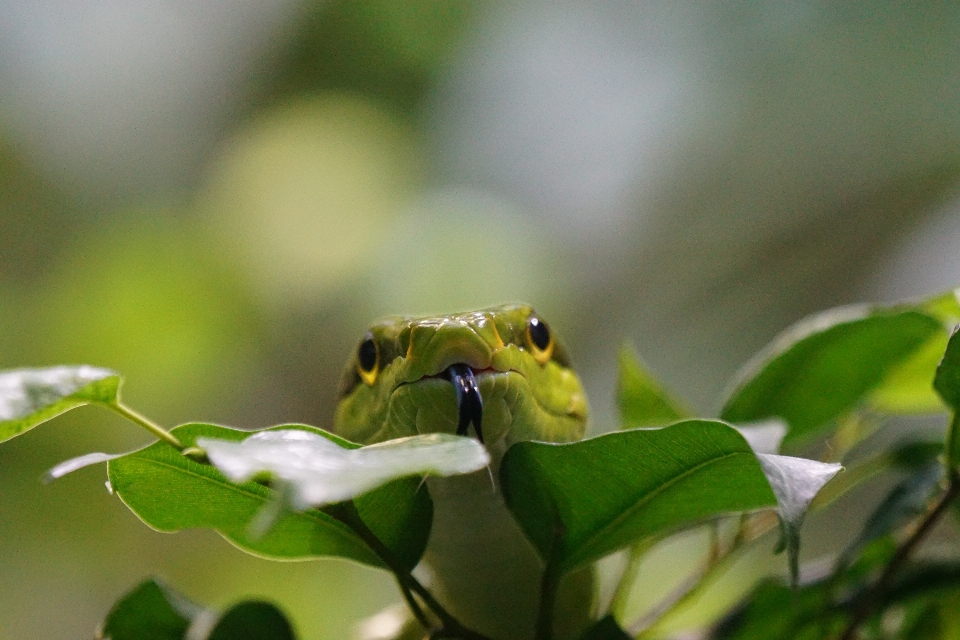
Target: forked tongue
(469,402)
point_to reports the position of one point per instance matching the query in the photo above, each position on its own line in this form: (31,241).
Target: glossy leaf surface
(578,502)
(824,366)
(29,397)
(641,399)
(171,492)
(320,472)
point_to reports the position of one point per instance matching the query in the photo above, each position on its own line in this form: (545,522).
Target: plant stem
(147,424)
(869,603)
(347,513)
(414,605)
(548,597)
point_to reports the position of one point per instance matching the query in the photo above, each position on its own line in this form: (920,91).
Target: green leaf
(947,378)
(795,483)
(29,397)
(321,472)
(824,366)
(152,611)
(908,388)
(580,501)
(252,619)
(605,629)
(642,400)
(775,612)
(906,501)
(170,492)
(947,384)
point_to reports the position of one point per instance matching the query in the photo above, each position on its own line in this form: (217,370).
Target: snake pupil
(367,355)
(539,334)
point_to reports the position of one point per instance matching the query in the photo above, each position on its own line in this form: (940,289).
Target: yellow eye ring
(368,359)
(539,339)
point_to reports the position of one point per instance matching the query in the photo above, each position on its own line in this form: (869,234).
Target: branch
(347,513)
(869,603)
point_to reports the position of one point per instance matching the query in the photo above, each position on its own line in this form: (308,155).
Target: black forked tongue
(469,402)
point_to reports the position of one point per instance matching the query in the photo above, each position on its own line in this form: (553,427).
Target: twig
(869,603)
(146,423)
(347,513)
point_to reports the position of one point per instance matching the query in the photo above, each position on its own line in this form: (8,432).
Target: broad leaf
(824,366)
(947,378)
(29,397)
(171,492)
(947,384)
(252,619)
(605,629)
(642,400)
(908,388)
(795,482)
(150,612)
(320,472)
(578,502)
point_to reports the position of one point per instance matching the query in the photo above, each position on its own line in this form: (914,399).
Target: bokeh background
(215,198)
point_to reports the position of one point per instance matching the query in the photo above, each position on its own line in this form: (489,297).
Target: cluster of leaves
(297,492)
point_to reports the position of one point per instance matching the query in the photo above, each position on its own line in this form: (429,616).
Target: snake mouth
(469,400)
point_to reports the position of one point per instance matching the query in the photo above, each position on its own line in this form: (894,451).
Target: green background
(215,204)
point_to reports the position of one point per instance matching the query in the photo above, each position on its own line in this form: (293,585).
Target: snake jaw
(469,400)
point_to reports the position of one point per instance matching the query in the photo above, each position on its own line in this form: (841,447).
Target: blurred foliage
(325,202)
(391,50)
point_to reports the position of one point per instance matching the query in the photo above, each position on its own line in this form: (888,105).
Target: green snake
(502,373)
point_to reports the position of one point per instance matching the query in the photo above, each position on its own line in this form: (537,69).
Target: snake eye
(539,339)
(368,357)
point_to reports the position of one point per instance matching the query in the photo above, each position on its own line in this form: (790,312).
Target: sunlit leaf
(29,397)
(251,619)
(908,388)
(321,472)
(642,400)
(152,611)
(795,482)
(825,365)
(171,492)
(578,502)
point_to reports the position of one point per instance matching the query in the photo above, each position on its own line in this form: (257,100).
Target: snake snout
(469,400)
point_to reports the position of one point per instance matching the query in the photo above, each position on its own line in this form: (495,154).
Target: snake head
(500,367)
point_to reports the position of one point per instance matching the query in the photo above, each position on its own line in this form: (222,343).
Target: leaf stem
(869,603)
(414,605)
(549,585)
(147,424)
(347,513)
